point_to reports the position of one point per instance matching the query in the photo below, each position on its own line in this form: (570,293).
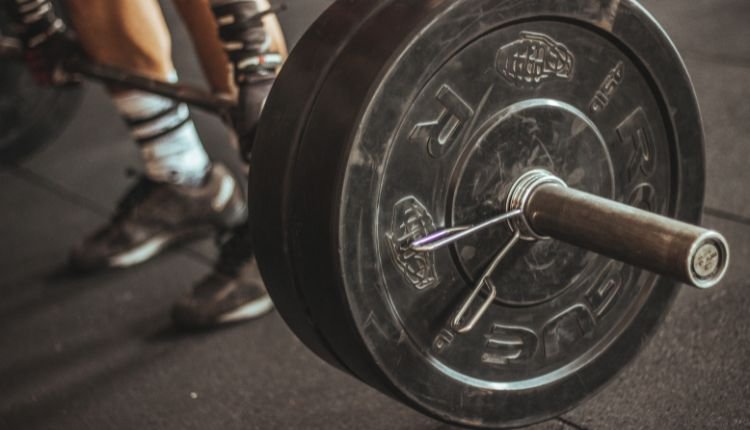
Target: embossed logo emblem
(534,59)
(412,221)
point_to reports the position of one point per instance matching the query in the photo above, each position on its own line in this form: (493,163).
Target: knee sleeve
(246,40)
(38,19)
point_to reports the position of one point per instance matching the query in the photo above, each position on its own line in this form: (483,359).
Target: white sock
(170,146)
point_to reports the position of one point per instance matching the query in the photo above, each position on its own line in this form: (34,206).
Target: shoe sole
(153,247)
(249,311)
(141,253)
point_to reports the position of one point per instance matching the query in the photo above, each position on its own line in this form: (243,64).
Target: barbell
(481,208)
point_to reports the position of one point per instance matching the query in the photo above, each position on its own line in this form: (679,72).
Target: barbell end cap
(708,260)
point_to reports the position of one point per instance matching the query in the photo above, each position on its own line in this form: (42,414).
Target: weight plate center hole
(529,135)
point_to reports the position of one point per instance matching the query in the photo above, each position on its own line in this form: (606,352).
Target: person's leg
(132,35)
(250,34)
(204,33)
(182,195)
(234,290)
(129,34)
(236,48)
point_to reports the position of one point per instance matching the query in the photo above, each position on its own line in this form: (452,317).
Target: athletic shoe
(155,215)
(233,292)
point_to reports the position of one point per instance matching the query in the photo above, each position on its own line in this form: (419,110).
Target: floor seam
(62,192)
(729,216)
(570,423)
(719,59)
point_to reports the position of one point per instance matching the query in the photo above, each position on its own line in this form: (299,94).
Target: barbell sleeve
(684,252)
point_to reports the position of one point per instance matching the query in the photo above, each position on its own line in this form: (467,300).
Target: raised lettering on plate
(607,288)
(412,221)
(608,88)
(644,197)
(506,345)
(443,340)
(636,135)
(533,59)
(567,329)
(439,135)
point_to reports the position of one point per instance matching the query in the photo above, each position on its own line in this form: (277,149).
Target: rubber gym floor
(99,352)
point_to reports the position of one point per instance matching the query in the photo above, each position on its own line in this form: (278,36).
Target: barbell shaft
(693,255)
